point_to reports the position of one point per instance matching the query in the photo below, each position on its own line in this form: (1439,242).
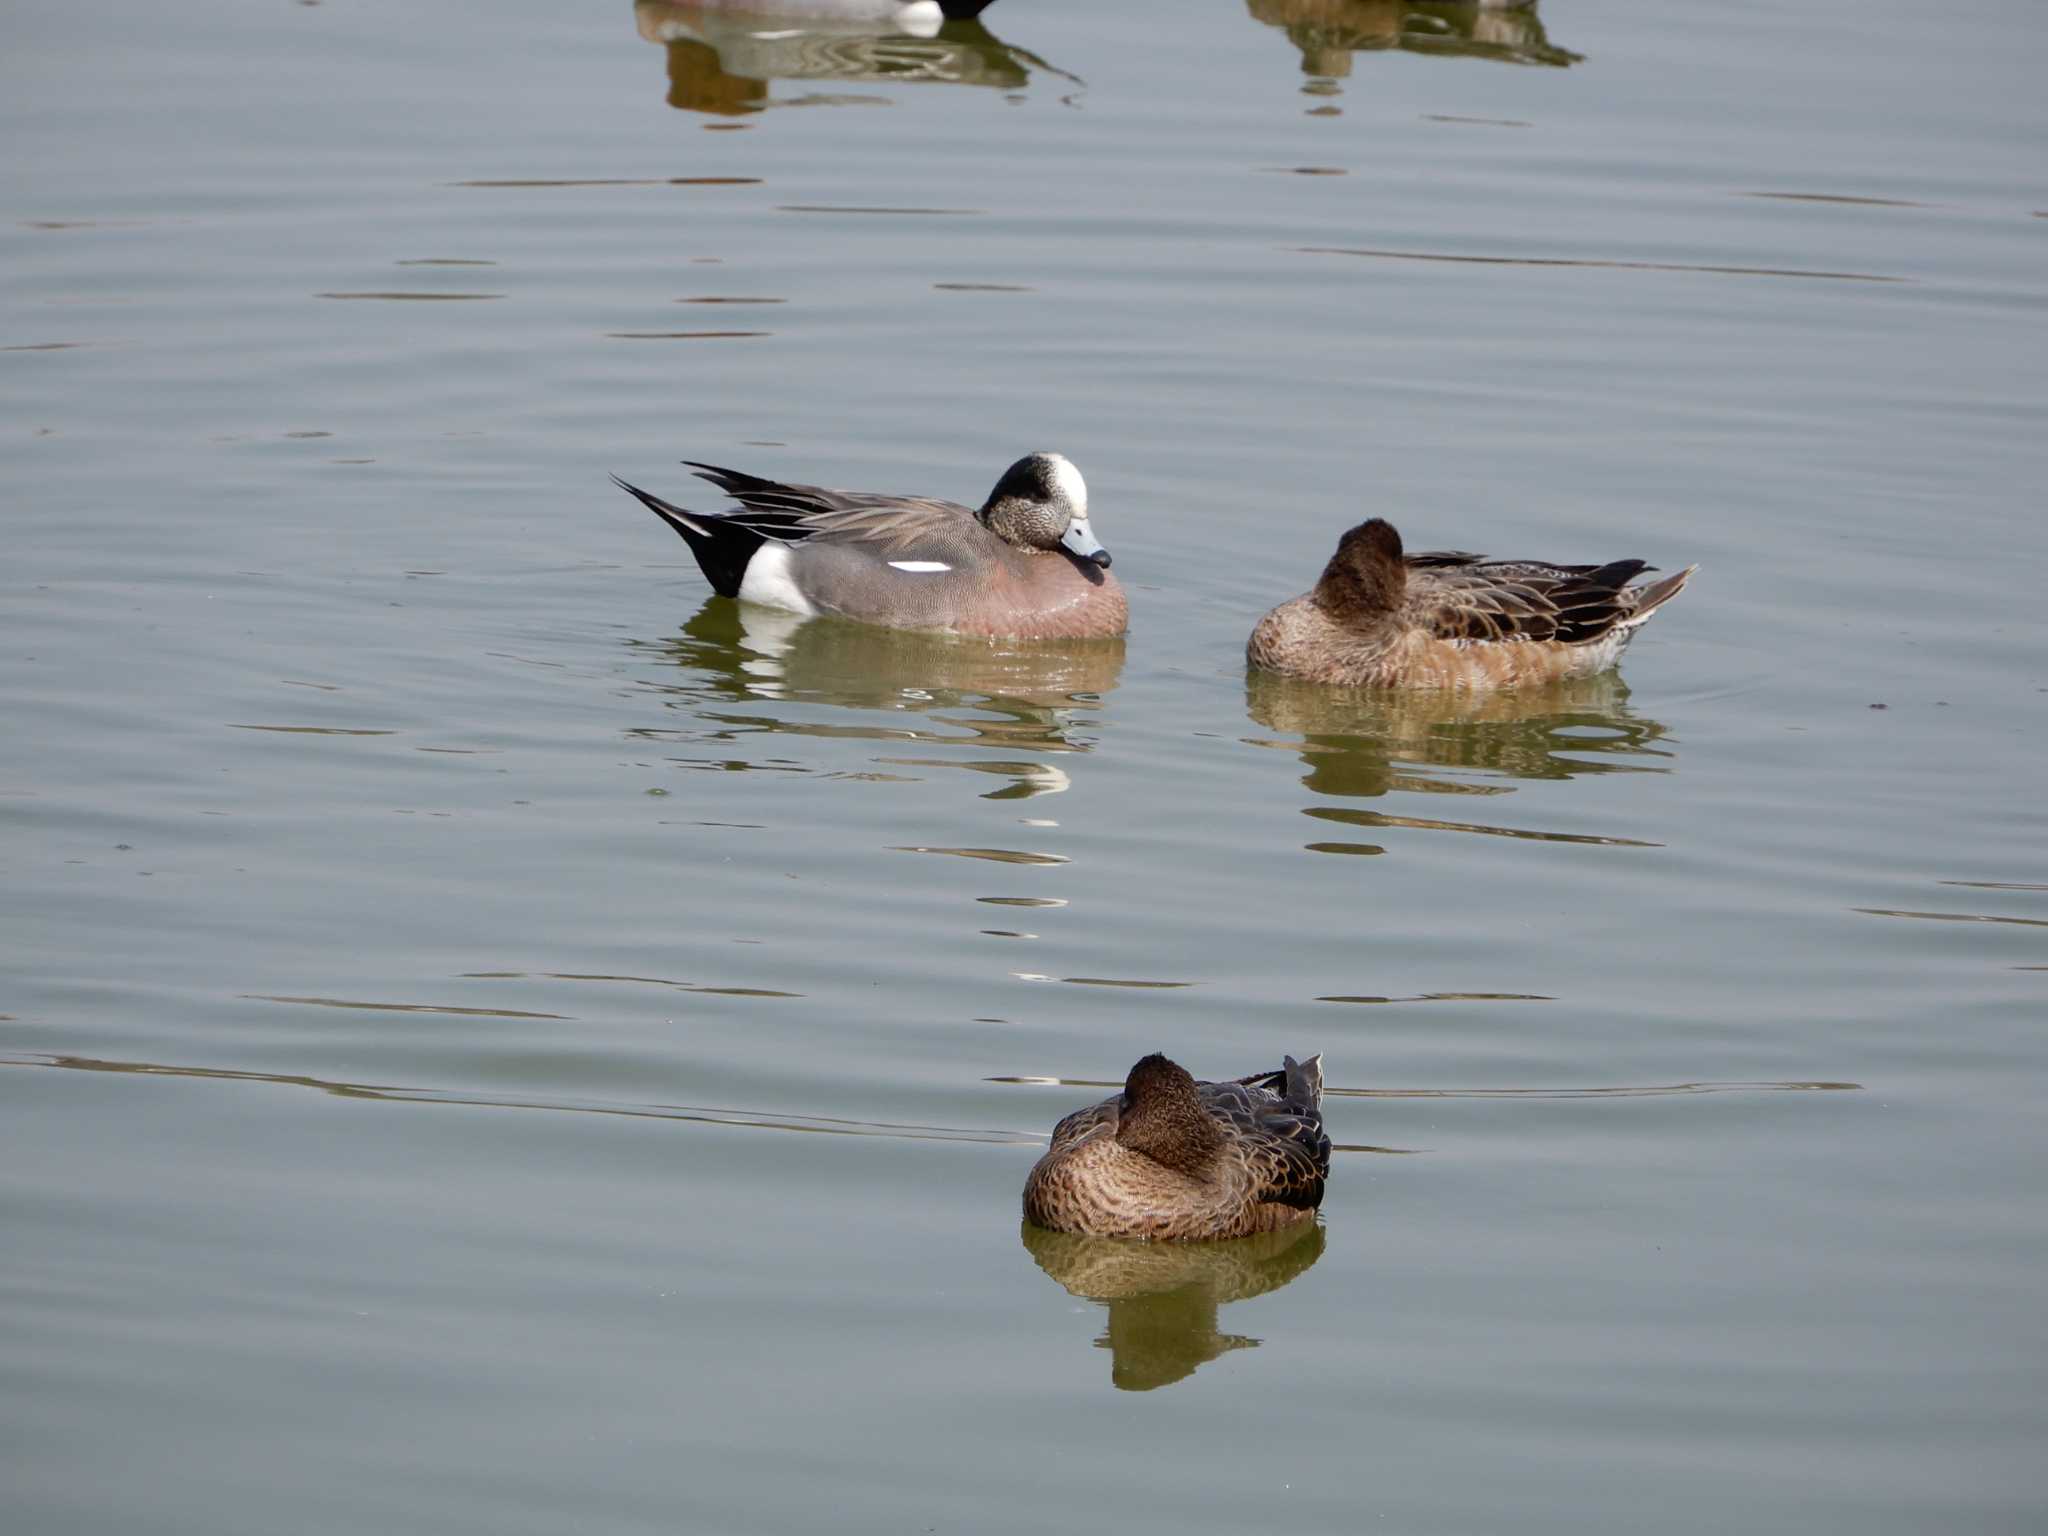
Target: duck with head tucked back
(1381,618)
(1171,1157)
(1026,565)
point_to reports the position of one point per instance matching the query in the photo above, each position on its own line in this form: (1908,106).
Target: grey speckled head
(1042,503)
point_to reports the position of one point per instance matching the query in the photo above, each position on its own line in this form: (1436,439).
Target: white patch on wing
(920,567)
(768,580)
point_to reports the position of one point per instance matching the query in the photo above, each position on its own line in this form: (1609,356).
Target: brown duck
(1385,619)
(1170,1157)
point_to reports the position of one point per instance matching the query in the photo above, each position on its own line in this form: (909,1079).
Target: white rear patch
(920,18)
(768,580)
(915,567)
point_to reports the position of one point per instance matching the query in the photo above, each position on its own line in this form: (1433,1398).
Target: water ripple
(1718,268)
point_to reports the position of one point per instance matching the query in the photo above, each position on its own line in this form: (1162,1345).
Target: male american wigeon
(1381,618)
(1026,566)
(1170,1157)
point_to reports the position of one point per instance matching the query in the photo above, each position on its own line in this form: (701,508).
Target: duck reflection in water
(759,671)
(1328,32)
(1363,743)
(721,56)
(1163,1298)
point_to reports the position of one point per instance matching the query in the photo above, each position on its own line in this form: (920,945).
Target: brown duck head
(1367,577)
(1161,1115)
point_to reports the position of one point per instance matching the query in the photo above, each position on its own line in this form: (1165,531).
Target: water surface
(498,1039)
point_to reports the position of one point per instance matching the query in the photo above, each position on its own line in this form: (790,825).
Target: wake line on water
(766,1120)
(829,1125)
(1637,1091)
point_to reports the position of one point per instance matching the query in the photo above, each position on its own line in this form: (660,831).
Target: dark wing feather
(778,510)
(1284,1145)
(1520,599)
(1291,1162)
(1431,559)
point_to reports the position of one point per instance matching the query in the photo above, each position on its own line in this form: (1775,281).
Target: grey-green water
(430,921)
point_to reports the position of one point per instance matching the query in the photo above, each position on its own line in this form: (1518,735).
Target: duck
(1026,565)
(1175,1159)
(1381,618)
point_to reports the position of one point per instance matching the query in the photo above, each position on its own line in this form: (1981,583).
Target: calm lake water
(497,1040)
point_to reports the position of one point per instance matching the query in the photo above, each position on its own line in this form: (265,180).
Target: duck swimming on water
(1379,617)
(1025,565)
(1171,1157)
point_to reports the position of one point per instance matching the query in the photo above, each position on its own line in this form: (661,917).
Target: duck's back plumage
(1464,597)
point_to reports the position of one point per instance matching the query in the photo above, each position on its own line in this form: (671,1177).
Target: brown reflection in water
(311,730)
(1953,917)
(1443,997)
(85,223)
(615,181)
(1366,743)
(683,335)
(1837,197)
(765,1120)
(1163,1299)
(721,59)
(853,208)
(1351,817)
(995,855)
(983,288)
(1329,32)
(641,981)
(949,691)
(1589,261)
(451,298)
(1111,981)
(344,1002)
